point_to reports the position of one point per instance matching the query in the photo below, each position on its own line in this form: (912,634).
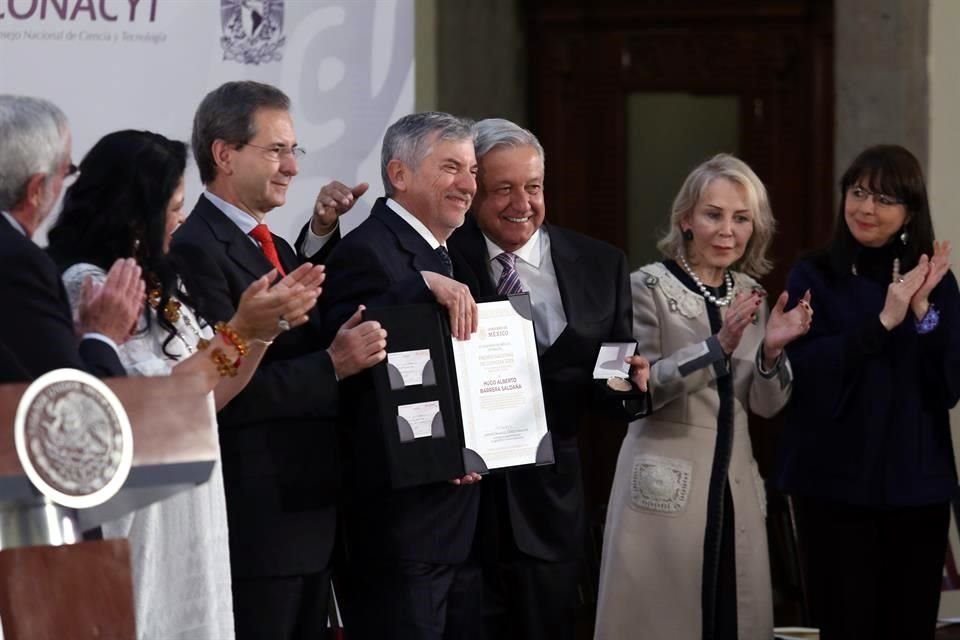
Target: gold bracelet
(225,367)
(230,335)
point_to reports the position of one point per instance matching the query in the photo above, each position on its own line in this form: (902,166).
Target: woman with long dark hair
(867,453)
(126,203)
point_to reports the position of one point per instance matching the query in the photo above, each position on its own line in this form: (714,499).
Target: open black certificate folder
(449,407)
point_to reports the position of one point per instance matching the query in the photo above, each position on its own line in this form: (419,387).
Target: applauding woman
(867,453)
(685,547)
(127,203)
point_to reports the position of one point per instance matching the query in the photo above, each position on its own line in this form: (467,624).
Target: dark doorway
(628,96)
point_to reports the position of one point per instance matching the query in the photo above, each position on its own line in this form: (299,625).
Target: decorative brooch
(171,310)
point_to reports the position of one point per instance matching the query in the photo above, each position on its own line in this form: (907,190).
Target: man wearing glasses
(38,328)
(280,461)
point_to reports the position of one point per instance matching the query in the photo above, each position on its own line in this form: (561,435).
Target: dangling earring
(687,235)
(904,236)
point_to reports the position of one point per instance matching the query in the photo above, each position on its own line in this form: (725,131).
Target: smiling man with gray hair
(580,291)
(408,572)
(532,519)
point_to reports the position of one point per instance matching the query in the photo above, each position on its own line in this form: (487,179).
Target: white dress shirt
(539,278)
(238,216)
(246,222)
(418,226)
(415,222)
(313,243)
(13,222)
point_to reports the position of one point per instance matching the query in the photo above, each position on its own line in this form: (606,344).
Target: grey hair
(227,114)
(723,165)
(494,133)
(409,138)
(32,140)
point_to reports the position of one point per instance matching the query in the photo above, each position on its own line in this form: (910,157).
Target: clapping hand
(939,265)
(264,311)
(741,312)
(112,308)
(783,327)
(900,294)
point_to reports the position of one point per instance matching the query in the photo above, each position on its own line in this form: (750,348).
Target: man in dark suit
(278,443)
(408,548)
(39,331)
(580,291)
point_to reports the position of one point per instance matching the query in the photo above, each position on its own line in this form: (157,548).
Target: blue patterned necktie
(509,282)
(445,259)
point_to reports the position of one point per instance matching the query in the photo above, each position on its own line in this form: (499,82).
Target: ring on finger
(283,324)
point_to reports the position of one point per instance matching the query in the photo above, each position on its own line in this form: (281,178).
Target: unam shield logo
(252,30)
(73,438)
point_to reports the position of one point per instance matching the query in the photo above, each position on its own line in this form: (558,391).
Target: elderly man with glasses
(38,328)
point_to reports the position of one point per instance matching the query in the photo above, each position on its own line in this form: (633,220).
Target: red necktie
(262,235)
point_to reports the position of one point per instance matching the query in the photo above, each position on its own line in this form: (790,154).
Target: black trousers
(524,597)
(282,608)
(406,600)
(873,573)
(531,599)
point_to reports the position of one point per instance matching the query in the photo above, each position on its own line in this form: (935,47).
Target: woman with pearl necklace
(685,549)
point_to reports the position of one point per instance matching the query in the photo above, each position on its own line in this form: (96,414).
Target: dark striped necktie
(509,282)
(445,259)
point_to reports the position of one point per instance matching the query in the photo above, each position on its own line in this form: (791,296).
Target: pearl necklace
(727,280)
(895,276)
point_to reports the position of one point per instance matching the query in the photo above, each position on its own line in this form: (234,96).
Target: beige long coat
(651,573)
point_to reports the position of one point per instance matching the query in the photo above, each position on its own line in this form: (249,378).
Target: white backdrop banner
(146,64)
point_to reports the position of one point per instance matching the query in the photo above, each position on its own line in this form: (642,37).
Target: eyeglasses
(277,151)
(860,194)
(70,173)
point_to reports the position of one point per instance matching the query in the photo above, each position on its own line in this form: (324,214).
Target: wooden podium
(53,586)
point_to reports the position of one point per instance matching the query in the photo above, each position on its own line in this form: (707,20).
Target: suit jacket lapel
(288,256)
(572,278)
(469,243)
(423,257)
(15,237)
(571,275)
(238,246)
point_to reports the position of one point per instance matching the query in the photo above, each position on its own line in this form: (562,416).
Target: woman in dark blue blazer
(867,452)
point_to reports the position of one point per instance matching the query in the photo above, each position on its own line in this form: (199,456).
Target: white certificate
(419,417)
(610,362)
(501,399)
(410,365)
